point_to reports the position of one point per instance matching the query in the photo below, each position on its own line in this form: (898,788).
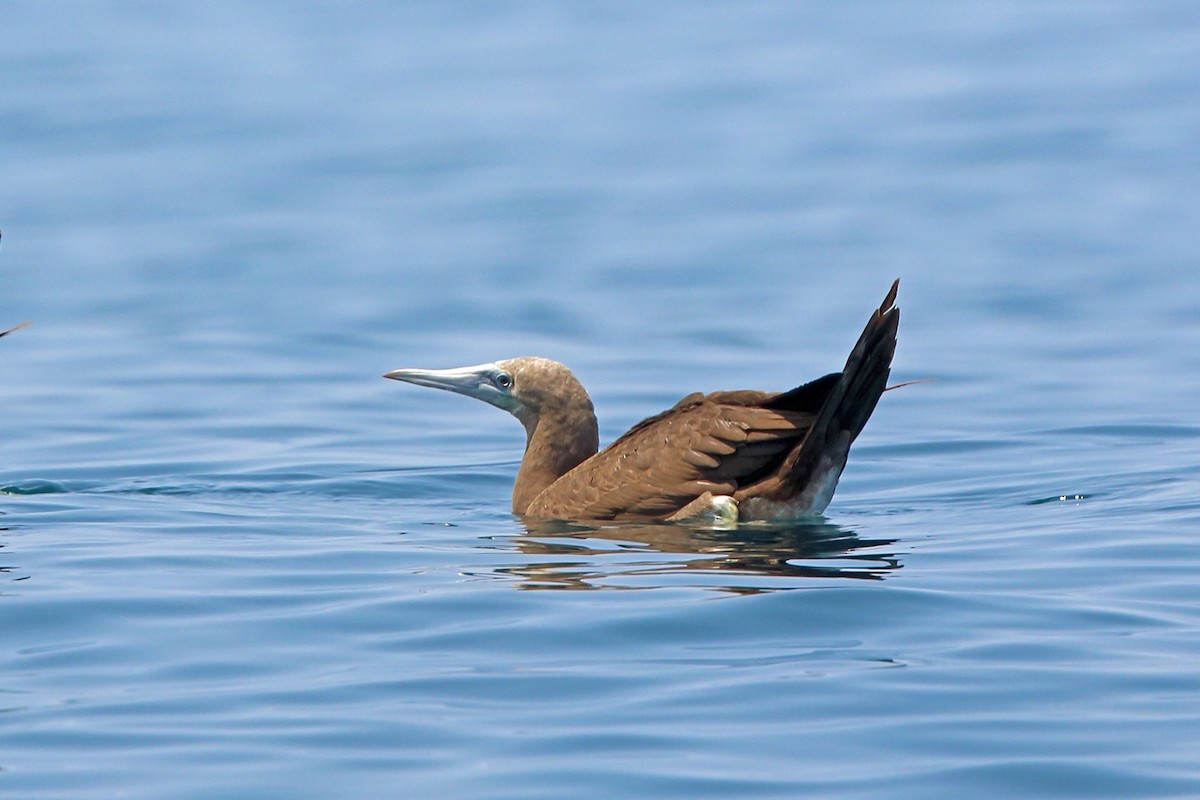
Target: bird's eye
(504,380)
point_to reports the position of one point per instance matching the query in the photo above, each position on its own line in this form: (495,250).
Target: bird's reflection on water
(746,559)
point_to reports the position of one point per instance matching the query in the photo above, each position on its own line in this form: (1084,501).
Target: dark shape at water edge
(747,559)
(13,328)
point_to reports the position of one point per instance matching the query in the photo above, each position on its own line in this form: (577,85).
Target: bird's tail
(817,464)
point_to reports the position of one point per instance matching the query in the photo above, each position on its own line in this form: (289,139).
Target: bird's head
(526,387)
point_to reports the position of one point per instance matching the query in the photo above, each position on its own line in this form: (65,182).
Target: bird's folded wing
(705,443)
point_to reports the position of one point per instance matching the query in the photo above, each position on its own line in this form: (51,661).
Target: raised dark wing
(846,408)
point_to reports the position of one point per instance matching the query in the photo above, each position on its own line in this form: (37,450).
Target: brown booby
(724,456)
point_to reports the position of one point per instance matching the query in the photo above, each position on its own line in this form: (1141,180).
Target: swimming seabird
(725,456)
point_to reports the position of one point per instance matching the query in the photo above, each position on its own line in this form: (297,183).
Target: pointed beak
(470,381)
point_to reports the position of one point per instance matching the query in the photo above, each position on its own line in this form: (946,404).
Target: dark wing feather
(844,407)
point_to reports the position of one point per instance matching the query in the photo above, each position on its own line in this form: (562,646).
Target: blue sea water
(236,563)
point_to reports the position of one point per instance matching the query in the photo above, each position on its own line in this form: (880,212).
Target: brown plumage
(724,455)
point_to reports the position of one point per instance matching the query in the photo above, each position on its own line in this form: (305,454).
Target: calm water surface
(234,562)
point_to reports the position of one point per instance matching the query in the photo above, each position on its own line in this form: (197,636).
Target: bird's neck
(555,444)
